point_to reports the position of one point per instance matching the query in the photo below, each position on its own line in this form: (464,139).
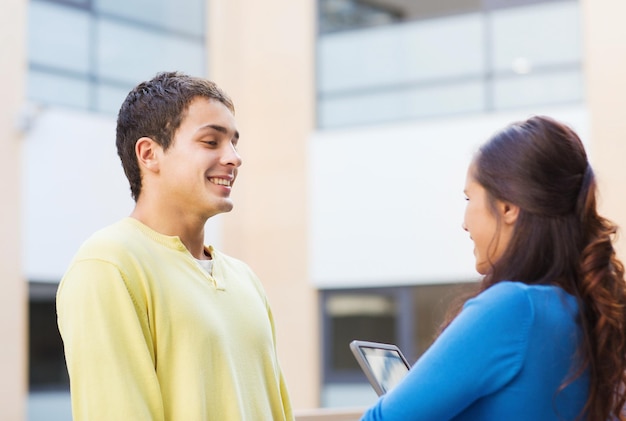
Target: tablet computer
(383,364)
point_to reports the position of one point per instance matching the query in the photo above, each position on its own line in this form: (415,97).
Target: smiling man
(157,325)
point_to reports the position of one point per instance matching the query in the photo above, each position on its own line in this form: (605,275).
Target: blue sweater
(504,357)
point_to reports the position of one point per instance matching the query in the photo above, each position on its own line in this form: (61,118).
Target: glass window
(127,53)
(400,54)
(533,37)
(392,105)
(50,88)
(337,15)
(409,75)
(47,368)
(184,16)
(408,317)
(432,305)
(448,98)
(48,380)
(458,57)
(536,89)
(58,37)
(369,317)
(370,314)
(431,8)
(344,15)
(110,98)
(84,53)
(84,3)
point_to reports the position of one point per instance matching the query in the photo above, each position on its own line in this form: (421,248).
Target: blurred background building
(358,121)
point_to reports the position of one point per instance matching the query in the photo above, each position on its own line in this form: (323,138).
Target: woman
(545,338)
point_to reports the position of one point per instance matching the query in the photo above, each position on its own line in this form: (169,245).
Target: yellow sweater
(150,335)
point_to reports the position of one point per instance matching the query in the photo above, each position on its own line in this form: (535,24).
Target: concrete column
(13,298)
(605,66)
(262,54)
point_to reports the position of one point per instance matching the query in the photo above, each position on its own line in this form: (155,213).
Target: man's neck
(188,228)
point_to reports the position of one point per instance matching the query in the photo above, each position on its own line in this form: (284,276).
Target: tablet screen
(383,364)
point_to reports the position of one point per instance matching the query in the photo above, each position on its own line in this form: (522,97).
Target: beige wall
(262,53)
(605,68)
(13,296)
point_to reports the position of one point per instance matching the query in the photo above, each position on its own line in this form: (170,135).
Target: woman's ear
(147,151)
(510,212)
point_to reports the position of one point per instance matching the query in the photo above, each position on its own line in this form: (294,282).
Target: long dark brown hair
(559,238)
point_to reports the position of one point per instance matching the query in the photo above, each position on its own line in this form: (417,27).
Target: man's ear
(147,151)
(510,212)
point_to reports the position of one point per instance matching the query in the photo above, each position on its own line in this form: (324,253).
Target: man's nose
(232,157)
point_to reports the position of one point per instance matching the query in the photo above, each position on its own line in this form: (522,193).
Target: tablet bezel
(357,349)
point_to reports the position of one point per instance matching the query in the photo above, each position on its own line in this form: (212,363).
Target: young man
(156,325)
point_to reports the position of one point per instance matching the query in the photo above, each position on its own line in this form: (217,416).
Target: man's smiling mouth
(221,181)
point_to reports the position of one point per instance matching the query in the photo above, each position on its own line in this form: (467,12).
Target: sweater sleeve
(108,346)
(479,352)
(284,392)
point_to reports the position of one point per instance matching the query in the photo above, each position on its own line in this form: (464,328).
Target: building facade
(358,121)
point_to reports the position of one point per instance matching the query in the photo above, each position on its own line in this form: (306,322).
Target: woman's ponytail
(603,294)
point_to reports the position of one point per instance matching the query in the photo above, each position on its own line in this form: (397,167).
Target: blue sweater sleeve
(479,352)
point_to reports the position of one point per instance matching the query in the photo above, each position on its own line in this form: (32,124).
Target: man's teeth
(220,181)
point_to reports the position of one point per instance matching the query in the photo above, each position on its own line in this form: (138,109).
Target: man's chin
(223,208)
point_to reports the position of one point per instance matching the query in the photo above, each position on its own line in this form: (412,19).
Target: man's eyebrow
(219,128)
